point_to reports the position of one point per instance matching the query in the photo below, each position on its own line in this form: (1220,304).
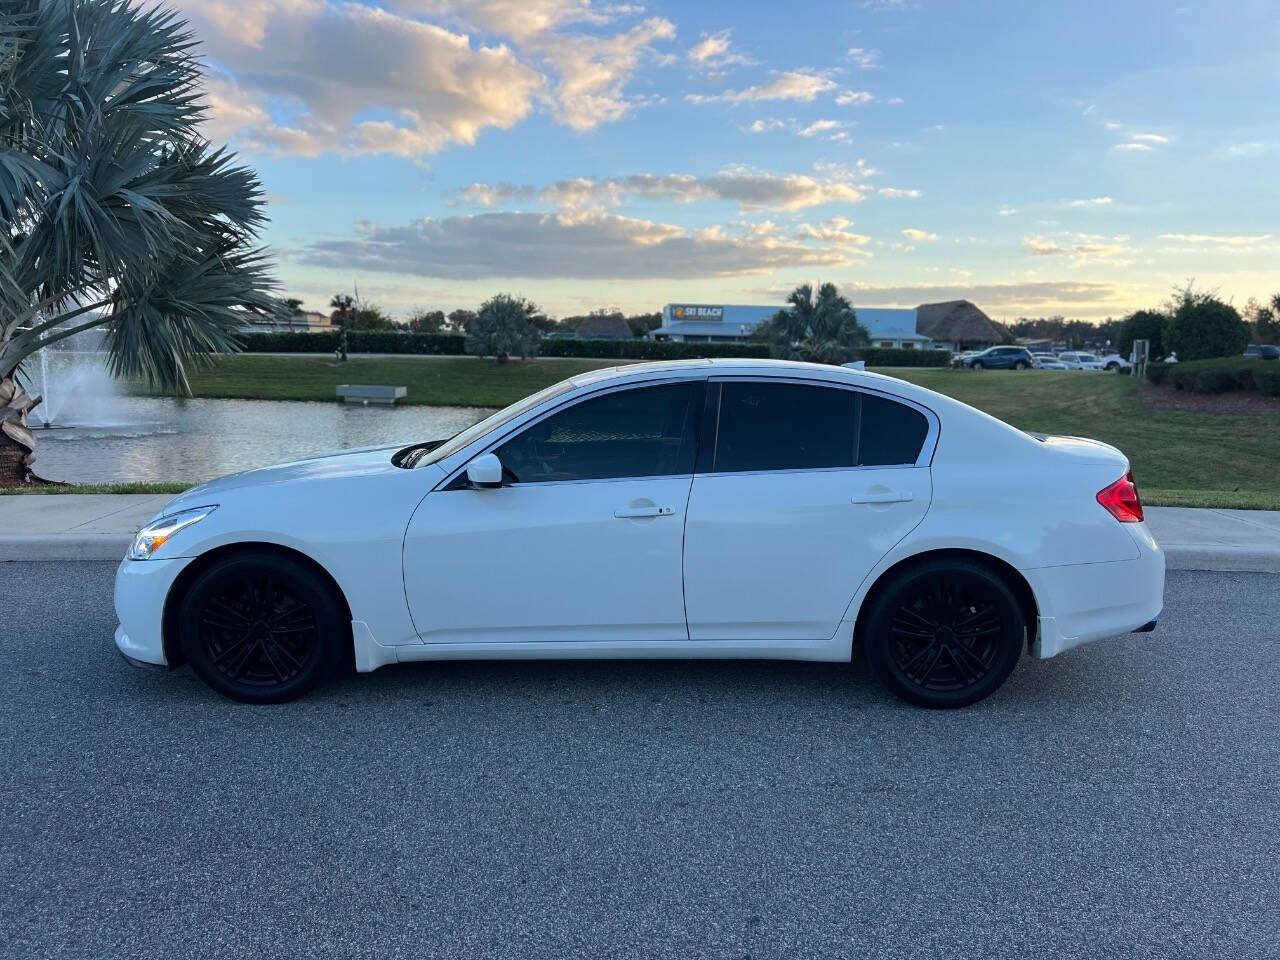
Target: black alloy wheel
(260,627)
(945,633)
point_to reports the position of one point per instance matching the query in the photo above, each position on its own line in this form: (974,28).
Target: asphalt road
(1119,801)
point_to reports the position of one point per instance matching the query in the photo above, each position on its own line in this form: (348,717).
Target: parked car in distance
(1081,361)
(1001,358)
(604,518)
(1113,361)
(1262,351)
(1048,361)
(958,359)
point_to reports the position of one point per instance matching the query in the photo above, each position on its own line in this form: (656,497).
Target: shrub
(1158,373)
(1267,378)
(1213,381)
(358,341)
(649,349)
(1202,326)
(1142,325)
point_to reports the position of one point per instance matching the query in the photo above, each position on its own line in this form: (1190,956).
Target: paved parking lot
(1120,800)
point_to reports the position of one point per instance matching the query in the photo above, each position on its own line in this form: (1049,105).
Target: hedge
(1219,375)
(452,344)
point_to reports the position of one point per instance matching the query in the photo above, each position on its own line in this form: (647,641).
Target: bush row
(452,344)
(1219,375)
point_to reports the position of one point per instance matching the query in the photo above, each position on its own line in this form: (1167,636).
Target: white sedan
(686,509)
(1081,361)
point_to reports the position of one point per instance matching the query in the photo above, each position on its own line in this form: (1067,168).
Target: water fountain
(77,390)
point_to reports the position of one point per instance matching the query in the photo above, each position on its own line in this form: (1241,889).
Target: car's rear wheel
(261,627)
(1020,365)
(945,633)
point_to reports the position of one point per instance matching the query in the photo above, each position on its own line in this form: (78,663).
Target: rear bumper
(1083,602)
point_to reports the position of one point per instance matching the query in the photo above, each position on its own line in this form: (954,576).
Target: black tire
(978,365)
(260,627)
(1020,365)
(1112,365)
(944,633)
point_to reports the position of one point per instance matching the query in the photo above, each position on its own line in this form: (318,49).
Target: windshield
(491,422)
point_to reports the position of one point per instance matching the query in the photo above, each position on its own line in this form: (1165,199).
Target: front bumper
(141,589)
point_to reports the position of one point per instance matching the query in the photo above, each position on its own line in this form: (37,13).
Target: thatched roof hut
(604,326)
(958,322)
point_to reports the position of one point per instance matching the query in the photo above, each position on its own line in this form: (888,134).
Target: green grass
(1180,457)
(53,489)
(436,381)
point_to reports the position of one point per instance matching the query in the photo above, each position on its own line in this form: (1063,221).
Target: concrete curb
(64,546)
(112,546)
(1223,558)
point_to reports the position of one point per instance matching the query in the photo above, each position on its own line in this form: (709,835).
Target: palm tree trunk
(17,442)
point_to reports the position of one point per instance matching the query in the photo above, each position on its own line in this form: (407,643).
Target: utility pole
(344,313)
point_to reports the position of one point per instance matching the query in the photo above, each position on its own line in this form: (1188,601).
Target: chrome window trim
(925,458)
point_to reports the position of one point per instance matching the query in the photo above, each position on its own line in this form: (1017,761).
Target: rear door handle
(631,513)
(888,496)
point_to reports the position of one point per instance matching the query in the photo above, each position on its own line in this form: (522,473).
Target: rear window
(892,433)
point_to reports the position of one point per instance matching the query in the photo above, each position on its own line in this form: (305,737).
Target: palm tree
(822,328)
(114,211)
(504,325)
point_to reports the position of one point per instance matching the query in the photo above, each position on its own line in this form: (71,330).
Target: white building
(734,322)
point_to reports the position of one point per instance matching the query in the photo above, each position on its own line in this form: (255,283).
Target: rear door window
(787,426)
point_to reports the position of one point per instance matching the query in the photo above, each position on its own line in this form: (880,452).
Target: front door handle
(632,513)
(887,496)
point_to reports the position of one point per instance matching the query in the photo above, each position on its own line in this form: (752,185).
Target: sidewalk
(101,526)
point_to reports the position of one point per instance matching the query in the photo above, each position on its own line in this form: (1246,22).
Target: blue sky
(1036,158)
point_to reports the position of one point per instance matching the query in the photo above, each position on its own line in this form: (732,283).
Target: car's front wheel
(978,365)
(944,633)
(261,627)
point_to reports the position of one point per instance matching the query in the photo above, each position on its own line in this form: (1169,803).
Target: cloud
(319,76)
(799,85)
(354,79)
(750,189)
(848,97)
(1028,298)
(1217,242)
(1081,247)
(835,233)
(713,52)
(913,233)
(1150,138)
(1007,211)
(897,192)
(592,246)
(1090,202)
(864,59)
(821,126)
(1133,147)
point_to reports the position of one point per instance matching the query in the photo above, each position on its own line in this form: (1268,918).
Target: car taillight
(1121,499)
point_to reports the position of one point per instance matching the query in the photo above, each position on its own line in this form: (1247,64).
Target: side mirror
(485,472)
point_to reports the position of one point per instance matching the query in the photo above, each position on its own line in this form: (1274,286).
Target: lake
(163,439)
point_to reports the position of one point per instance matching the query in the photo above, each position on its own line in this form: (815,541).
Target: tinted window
(784,426)
(646,432)
(892,433)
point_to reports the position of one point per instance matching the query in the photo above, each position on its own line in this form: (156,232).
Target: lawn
(1180,457)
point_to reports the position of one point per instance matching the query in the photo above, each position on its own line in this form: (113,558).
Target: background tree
(504,326)
(1143,325)
(426,321)
(1263,320)
(821,327)
(460,320)
(643,324)
(293,306)
(1200,326)
(114,211)
(361,315)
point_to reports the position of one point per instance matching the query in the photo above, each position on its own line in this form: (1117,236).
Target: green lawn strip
(54,489)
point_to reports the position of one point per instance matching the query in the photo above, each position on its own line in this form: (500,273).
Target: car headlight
(159,532)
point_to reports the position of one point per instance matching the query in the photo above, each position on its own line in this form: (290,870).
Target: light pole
(342,334)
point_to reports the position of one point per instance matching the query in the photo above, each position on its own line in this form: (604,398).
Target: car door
(801,489)
(583,540)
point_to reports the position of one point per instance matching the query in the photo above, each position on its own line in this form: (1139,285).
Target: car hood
(364,461)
